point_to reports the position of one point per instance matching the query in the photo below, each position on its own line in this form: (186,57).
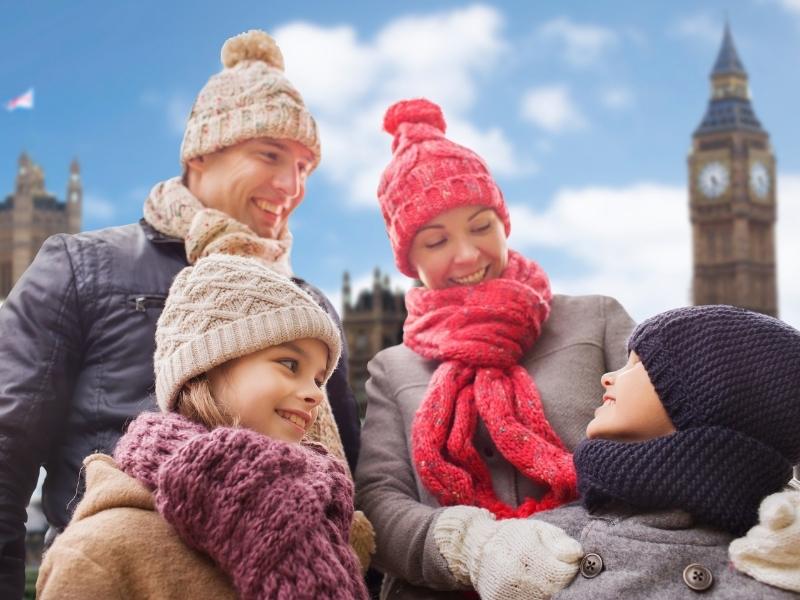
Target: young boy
(695,430)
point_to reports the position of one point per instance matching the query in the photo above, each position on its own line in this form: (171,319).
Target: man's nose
(287,180)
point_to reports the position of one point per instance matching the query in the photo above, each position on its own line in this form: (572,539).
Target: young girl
(698,426)
(216,497)
(489,393)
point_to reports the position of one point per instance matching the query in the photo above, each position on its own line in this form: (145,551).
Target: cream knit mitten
(770,552)
(504,560)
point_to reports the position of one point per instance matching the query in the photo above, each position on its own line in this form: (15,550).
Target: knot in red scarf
(480,333)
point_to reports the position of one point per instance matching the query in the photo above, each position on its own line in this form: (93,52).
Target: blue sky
(584,111)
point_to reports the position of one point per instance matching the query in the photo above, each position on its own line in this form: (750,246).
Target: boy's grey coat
(645,554)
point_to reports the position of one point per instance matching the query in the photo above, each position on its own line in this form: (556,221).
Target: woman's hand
(770,552)
(513,558)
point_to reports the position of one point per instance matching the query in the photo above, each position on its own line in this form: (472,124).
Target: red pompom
(419,110)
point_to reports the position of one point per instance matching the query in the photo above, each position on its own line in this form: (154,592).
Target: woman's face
(462,246)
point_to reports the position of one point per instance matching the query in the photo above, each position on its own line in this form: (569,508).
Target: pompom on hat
(225,307)
(428,175)
(250,98)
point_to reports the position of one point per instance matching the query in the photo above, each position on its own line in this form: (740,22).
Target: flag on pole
(23,101)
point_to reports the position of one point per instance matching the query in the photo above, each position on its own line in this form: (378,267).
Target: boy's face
(631,410)
(275,391)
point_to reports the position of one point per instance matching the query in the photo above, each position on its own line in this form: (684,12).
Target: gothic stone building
(32,214)
(732,195)
(372,323)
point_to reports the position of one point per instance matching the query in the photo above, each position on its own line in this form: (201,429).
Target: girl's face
(276,391)
(462,246)
(631,410)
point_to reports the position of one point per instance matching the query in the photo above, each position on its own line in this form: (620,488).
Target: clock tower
(732,195)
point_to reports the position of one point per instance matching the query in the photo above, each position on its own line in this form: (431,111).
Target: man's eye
(273,156)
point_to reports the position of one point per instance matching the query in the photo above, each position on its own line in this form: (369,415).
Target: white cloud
(175,107)
(97,208)
(793,6)
(441,56)
(634,243)
(552,108)
(700,27)
(583,45)
(788,247)
(617,98)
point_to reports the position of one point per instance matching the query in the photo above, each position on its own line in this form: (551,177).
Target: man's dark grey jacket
(76,364)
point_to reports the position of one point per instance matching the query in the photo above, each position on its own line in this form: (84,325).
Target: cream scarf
(174,211)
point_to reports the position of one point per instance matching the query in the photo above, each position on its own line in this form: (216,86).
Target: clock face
(713,179)
(759,179)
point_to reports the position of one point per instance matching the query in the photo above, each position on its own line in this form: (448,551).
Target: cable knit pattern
(480,333)
(229,306)
(250,98)
(274,516)
(428,175)
(174,211)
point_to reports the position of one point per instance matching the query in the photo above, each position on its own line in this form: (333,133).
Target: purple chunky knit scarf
(274,516)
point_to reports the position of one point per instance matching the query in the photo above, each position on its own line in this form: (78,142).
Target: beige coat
(117,547)
(583,338)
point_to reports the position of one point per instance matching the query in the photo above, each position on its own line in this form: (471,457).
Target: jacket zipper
(142,303)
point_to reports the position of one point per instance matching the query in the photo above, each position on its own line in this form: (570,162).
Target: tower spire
(728,62)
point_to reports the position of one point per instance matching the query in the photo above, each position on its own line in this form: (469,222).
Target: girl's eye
(270,156)
(319,383)
(436,244)
(482,228)
(289,363)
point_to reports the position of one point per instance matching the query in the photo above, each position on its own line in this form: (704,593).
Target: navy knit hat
(729,380)
(726,366)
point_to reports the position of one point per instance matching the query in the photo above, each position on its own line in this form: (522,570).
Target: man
(77,331)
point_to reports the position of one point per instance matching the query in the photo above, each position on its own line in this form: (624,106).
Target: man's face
(257,182)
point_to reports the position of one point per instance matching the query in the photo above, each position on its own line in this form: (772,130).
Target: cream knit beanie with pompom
(250,98)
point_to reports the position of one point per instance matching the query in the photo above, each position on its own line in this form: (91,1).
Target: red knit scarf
(480,333)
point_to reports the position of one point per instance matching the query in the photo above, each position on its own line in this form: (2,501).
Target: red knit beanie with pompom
(428,175)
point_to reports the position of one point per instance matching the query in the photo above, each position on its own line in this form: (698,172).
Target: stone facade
(372,323)
(30,215)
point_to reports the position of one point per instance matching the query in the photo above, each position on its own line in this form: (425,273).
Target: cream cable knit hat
(224,307)
(249,98)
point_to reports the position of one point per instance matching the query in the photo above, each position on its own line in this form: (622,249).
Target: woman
(472,420)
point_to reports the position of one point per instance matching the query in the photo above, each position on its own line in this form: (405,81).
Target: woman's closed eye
(482,228)
(435,244)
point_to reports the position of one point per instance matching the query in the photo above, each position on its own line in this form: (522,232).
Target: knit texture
(174,211)
(230,306)
(250,98)
(729,381)
(770,552)
(506,560)
(428,175)
(479,334)
(274,516)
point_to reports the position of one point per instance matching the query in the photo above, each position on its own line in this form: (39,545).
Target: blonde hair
(196,402)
